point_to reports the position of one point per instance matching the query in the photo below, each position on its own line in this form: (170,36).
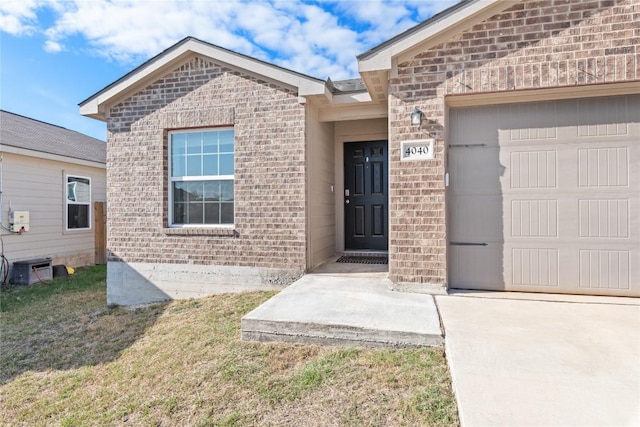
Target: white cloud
(52,47)
(317,37)
(17,17)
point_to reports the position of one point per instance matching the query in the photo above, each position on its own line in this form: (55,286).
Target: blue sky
(56,53)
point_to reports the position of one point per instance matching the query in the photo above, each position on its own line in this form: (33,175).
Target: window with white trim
(78,202)
(201,177)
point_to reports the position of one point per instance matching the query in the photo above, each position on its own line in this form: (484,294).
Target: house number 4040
(412,151)
(421,149)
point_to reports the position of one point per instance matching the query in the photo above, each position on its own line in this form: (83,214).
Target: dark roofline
(43,122)
(180,43)
(52,132)
(437,17)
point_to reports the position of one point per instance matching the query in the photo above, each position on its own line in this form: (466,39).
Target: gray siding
(37,185)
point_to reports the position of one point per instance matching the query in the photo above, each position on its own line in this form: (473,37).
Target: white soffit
(353,111)
(137,79)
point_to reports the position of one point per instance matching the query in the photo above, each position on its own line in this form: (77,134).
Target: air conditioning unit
(32,271)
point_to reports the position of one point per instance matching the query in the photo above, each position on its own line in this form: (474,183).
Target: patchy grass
(68,359)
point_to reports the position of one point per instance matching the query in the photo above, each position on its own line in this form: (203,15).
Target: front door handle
(347,201)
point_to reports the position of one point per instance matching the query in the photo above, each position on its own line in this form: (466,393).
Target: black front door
(365,195)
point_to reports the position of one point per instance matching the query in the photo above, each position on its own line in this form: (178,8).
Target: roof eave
(53,156)
(434,30)
(94,106)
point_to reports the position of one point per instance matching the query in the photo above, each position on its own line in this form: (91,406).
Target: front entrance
(365,195)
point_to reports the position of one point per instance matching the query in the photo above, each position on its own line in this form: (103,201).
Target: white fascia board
(382,60)
(544,94)
(312,87)
(48,156)
(305,86)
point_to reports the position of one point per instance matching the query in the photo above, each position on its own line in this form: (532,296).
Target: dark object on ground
(352,259)
(60,271)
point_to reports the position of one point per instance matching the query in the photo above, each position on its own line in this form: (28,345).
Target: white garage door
(545,196)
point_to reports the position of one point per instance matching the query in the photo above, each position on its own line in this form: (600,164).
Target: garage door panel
(602,268)
(482,177)
(477,219)
(563,210)
(603,116)
(527,122)
(533,169)
(479,267)
(533,267)
(568,121)
(475,125)
(604,218)
(532,218)
(603,167)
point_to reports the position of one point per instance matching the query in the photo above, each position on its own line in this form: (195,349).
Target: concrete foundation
(144,283)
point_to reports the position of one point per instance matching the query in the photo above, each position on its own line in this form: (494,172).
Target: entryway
(365,195)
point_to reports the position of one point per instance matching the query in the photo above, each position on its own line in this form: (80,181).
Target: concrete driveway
(519,362)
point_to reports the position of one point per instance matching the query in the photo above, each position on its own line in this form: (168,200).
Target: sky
(56,53)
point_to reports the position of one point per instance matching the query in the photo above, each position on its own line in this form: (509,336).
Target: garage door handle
(468,244)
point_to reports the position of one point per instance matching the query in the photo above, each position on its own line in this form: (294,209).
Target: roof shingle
(30,134)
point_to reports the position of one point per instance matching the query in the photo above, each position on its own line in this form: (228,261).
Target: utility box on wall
(31,271)
(19,221)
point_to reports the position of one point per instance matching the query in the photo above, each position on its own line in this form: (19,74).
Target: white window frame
(67,203)
(172,179)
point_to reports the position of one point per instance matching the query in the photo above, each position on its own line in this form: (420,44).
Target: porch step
(345,311)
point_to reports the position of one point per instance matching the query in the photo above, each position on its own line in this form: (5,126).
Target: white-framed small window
(201,177)
(78,202)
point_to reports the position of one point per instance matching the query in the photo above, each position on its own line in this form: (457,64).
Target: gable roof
(426,23)
(155,67)
(375,64)
(450,21)
(33,135)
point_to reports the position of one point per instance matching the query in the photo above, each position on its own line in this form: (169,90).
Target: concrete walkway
(355,309)
(570,362)
(516,359)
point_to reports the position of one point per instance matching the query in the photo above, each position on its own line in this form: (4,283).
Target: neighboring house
(56,175)
(520,171)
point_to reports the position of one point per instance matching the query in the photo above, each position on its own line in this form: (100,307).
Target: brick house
(493,146)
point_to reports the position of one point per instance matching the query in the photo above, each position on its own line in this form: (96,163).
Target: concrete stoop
(344,310)
(335,335)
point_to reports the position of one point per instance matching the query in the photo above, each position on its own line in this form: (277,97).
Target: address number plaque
(418,149)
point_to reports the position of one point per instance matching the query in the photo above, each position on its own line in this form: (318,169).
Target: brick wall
(534,44)
(269,177)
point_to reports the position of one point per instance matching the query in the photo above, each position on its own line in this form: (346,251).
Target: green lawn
(68,359)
